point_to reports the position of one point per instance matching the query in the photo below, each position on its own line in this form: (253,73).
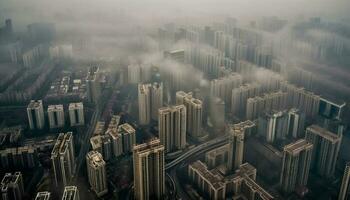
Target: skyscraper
(325,151)
(35,112)
(144,99)
(94,84)
(117,141)
(43,196)
(150,98)
(76,114)
(149,172)
(172,127)
(344,188)
(222,87)
(194,111)
(128,134)
(177,55)
(96,170)
(71,193)
(134,74)
(296,123)
(240,96)
(156,99)
(217,112)
(236,148)
(295,165)
(62,158)
(56,116)
(273,125)
(267,102)
(12,186)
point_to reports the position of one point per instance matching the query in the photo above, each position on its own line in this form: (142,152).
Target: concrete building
(96,170)
(273,125)
(240,96)
(325,151)
(35,112)
(144,99)
(94,84)
(12,186)
(212,184)
(134,74)
(43,196)
(217,156)
(62,158)
(271,101)
(76,114)
(236,148)
(70,193)
(306,101)
(128,134)
(295,165)
(296,123)
(150,98)
(177,55)
(149,172)
(344,188)
(222,87)
(24,157)
(117,141)
(172,127)
(248,126)
(156,99)
(217,112)
(194,111)
(56,116)
(102,144)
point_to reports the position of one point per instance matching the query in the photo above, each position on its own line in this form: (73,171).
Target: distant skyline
(152,11)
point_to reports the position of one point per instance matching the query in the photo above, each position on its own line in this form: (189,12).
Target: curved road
(200,148)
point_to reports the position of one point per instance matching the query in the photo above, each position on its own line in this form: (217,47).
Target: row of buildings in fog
(55,113)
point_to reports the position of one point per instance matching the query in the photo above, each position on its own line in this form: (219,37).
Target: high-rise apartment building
(217,112)
(212,184)
(156,99)
(271,101)
(236,148)
(344,188)
(43,196)
(62,158)
(35,112)
(325,151)
(194,110)
(76,114)
(96,170)
(150,99)
(296,123)
(273,125)
(12,186)
(149,172)
(240,96)
(295,165)
(172,127)
(306,101)
(128,134)
(222,87)
(123,138)
(117,141)
(144,99)
(94,84)
(134,74)
(70,193)
(177,55)
(56,116)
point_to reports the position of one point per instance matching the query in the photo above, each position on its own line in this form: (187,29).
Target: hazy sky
(147,11)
